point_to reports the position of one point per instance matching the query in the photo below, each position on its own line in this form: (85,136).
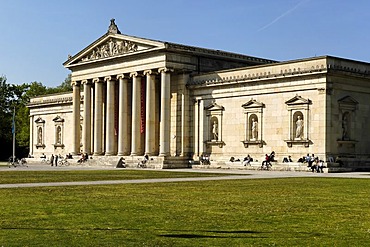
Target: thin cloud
(283,15)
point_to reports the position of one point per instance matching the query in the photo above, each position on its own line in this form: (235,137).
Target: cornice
(304,67)
(218,79)
(50,102)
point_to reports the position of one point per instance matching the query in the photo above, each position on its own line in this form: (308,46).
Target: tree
(5,118)
(17,97)
(66,86)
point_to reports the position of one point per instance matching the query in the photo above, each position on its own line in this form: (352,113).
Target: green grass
(24,176)
(264,212)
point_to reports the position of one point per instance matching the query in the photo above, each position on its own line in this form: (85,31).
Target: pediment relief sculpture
(111,48)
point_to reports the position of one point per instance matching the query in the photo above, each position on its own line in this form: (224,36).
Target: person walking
(52,159)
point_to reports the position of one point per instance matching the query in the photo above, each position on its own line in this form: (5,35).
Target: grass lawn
(258,212)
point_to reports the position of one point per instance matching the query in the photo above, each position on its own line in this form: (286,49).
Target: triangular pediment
(214,107)
(39,120)
(58,119)
(348,100)
(253,104)
(298,100)
(111,46)
(347,103)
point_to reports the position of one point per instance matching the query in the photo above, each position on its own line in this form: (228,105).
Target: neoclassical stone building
(133,96)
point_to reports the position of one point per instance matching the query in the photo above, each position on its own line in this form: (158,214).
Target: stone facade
(134,96)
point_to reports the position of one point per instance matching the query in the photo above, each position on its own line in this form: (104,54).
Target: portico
(111,130)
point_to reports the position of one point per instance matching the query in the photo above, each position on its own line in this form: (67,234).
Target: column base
(98,154)
(110,154)
(164,155)
(136,154)
(123,154)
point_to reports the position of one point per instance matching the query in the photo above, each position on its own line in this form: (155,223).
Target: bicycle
(17,162)
(63,162)
(266,165)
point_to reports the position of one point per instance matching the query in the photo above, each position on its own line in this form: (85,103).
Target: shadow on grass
(190,235)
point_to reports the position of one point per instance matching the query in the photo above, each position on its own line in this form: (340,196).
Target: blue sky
(38,35)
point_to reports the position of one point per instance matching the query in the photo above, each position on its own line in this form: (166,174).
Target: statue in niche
(59,135)
(345,135)
(254,129)
(215,131)
(39,136)
(299,128)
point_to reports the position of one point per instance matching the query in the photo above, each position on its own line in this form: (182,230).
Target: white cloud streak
(283,15)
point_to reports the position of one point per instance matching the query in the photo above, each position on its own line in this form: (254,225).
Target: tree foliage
(15,98)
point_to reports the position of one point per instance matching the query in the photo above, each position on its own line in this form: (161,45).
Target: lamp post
(13,132)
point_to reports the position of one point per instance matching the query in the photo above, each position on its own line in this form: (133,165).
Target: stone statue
(299,128)
(59,135)
(215,131)
(39,138)
(254,129)
(113,27)
(345,135)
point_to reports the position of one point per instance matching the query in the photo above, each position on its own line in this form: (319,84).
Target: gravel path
(227,175)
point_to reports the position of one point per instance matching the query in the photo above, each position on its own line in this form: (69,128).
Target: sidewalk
(229,174)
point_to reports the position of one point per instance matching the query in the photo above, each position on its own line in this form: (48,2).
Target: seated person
(320,166)
(43,157)
(247,160)
(204,159)
(83,158)
(146,158)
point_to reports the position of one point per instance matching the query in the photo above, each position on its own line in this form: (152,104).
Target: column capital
(109,78)
(135,74)
(86,81)
(122,76)
(165,70)
(150,72)
(76,83)
(96,80)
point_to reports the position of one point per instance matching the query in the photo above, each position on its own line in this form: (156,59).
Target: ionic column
(86,135)
(98,117)
(76,118)
(110,138)
(136,110)
(165,123)
(185,133)
(150,113)
(123,131)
